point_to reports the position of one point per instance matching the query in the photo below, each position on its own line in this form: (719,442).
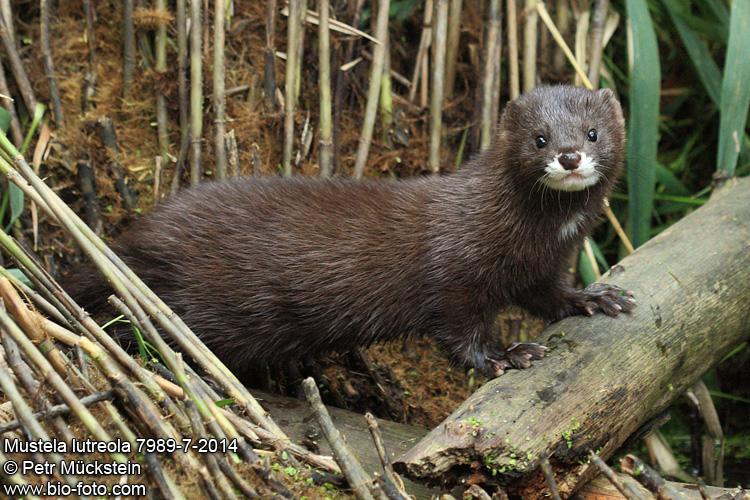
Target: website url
(56,488)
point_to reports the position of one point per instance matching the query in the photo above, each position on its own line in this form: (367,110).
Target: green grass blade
(643,130)
(707,69)
(735,91)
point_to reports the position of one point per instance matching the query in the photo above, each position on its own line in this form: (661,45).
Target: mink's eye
(592,135)
(541,141)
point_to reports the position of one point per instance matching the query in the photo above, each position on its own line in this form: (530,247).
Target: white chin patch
(571,180)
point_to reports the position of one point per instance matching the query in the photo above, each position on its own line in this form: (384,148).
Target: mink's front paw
(609,299)
(517,355)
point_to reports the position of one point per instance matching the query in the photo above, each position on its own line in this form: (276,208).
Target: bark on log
(604,377)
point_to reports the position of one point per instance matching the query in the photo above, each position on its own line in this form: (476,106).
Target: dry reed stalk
(8,104)
(196,92)
(562,20)
(128,46)
(355,475)
(157,180)
(6,10)
(530,41)
(293,35)
(581,42)
(492,54)
(513,78)
(627,490)
(16,67)
(89,80)
(49,66)
(496,76)
(300,51)
(220,103)
(557,36)
(386,94)
(451,56)
(269,67)
(340,88)
(424,44)
(439,42)
(116,271)
(48,373)
(597,35)
(233,156)
(182,93)
(324,65)
(373,92)
(161,68)
(25,415)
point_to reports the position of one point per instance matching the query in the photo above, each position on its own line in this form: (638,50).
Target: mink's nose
(570,161)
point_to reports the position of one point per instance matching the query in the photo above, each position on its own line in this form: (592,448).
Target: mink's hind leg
(479,347)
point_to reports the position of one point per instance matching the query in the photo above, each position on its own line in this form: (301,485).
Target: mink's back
(267,269)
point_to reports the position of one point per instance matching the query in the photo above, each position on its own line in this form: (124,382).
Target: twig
(355,474)
(218,86)
(544,15)
(627,489)
(57,410)
(713,466)
(373,92)
(157,180)
(648,477)
(324,65)
(196,92)
(377,439)
(549,476)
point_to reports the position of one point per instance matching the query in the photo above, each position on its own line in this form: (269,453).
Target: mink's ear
(606,94)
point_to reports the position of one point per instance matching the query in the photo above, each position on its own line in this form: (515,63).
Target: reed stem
(530,41)
(513,78)
(196,92)
(373,92)
(128,46)
(49,66)
(324,64)
(452,48)
(293,34)
(492,55)
(438,82)
(220,152)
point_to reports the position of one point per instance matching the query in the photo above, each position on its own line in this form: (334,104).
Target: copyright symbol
(10,467)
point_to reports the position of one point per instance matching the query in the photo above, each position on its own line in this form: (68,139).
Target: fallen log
(605,377)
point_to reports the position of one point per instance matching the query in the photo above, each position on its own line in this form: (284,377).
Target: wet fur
(271,269)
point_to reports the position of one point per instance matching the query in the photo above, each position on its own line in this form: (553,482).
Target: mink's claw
(609,299)
(517,355)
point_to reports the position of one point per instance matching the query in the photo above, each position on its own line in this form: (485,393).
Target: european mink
(270,269)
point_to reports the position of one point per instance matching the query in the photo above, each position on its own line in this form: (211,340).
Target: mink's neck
(497,224)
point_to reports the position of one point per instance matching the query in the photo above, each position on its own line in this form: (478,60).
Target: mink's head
(563,138)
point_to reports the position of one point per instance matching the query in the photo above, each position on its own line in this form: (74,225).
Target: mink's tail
(88,288)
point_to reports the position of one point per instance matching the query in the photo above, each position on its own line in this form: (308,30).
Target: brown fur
(272,269)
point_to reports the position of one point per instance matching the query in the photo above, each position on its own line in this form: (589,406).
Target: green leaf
(221,403)
(643,131)
(16,203)
(735,91)
(672,184)
(35,121)
(4,120)
(20,276)
(700,56)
